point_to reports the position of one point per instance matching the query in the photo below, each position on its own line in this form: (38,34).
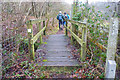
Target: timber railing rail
(82,41)
(32,39)
(110,49)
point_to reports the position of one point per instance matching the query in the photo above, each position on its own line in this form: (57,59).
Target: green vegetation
(98,31)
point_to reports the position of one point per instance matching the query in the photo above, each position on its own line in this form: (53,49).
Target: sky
(69,1)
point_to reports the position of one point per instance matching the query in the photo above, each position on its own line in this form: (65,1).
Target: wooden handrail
(82,41)
(102,47)
(33,21)
(75,36)
(32,39)
(76,22)
(80,22)
(35,38)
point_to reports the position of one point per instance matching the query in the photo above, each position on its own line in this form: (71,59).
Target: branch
(91,55)
(42,9)
(27,14)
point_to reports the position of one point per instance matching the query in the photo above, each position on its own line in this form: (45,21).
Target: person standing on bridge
(60,17)
(66,16)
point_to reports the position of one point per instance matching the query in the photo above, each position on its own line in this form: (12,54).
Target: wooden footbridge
(57,52)
(56,44)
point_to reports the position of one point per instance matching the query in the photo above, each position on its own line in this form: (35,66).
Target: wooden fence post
(66,28)
(53,22)
(71,35)
(30,45)
(112,46)
(84,42)
(45,29)
(47,24)
(74,30)
(40,35)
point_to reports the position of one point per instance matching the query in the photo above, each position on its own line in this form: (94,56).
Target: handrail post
(45,29)
(71,35)
(30,36)
(74,30)
(40,35)
(66,28)
(84,42)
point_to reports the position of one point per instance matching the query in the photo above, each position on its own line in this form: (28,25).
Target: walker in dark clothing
(60,23)
(60,17)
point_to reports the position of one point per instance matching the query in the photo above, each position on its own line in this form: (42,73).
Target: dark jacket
(60,15)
